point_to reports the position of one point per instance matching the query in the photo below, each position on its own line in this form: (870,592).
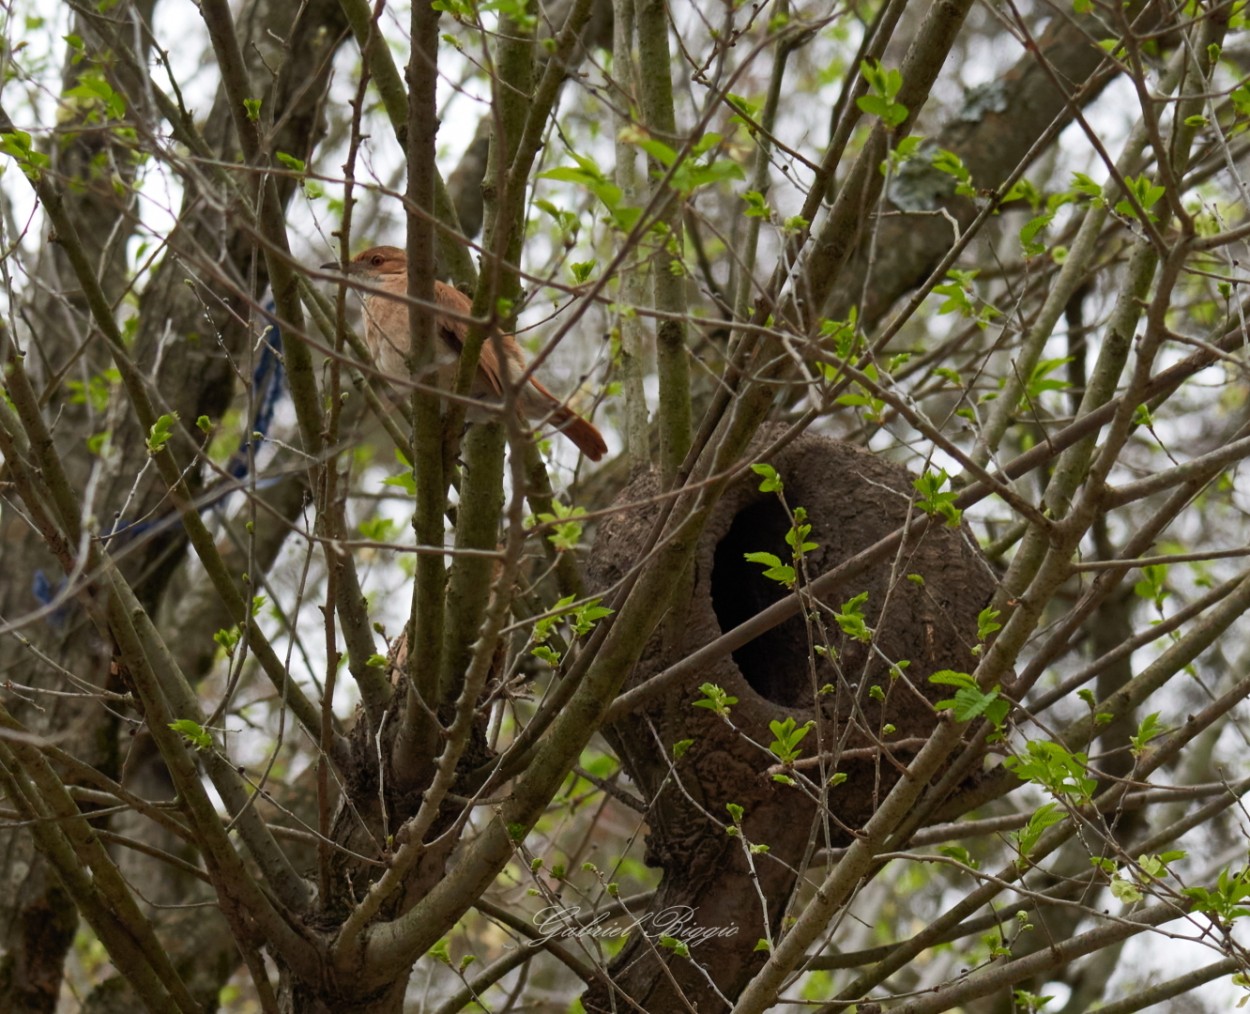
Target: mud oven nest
(871,700)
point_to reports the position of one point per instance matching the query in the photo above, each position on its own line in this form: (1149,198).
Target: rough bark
(190,366)
(996,130)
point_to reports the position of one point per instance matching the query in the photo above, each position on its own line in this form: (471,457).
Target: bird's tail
(587,437)
(538,402)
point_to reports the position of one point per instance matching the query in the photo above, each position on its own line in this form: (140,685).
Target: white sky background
(180,30)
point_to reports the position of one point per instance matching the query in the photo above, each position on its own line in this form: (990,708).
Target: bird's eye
(377,260)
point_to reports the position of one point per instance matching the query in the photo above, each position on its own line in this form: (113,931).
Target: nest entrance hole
(775,664)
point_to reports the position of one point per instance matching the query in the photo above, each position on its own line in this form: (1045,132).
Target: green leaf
(97,390)
(1146,731)
(685,173)
(588,174)
(1029,835)
(890,113)
(193,733)
(1152,867)
(934,499)
(1125,891)
(961,298)
(884,85)
(92,97)
(1040,380)
(774,569)
(547,654)
(17,145)
(744,106)
(690,176)
(252,108)
(568,222)
(952,678)
(785,747)
(706,143)
(851,618)
(227,638)
(1029,242)
(796,537)
(658,150)
(161,432)
(952,165)
(567,530)
(1153,584)
(959,854)
(545,625)
(1023,190)
(678,947)
(1054,767)
(379,529)
(715,699)
(772,481)
(973,702)
(404,481)
(1083,186)
(843,334)
(986,623)
(1146,193)
(582,620)
(1026,1002)
(757,207)
(441,951)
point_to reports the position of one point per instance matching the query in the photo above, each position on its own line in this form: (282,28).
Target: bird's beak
(350,268)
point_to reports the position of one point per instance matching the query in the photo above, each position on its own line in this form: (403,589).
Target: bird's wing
(453,332)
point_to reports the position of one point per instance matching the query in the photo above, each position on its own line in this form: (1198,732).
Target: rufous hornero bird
(387,335)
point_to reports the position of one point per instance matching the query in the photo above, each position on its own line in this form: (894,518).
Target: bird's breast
(387,335)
